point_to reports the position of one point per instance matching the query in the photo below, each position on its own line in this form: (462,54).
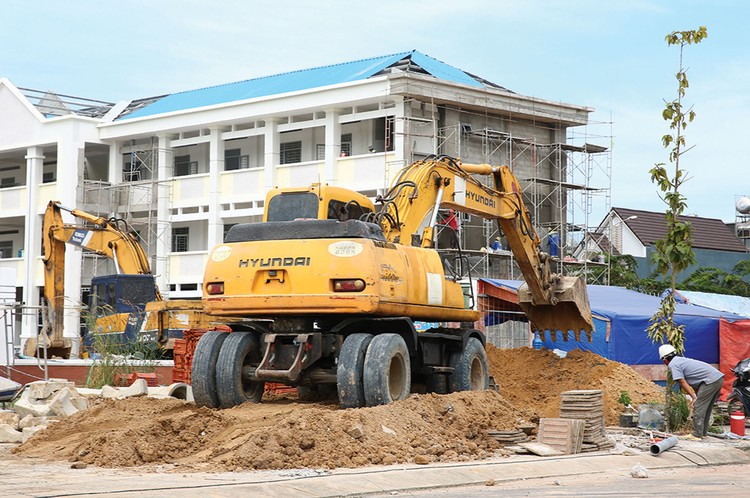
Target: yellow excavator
(126,307)
(331,287)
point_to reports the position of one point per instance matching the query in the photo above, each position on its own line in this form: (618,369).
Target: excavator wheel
(387,370)
(239,349)
(203,372)
(470,371)
(350,371)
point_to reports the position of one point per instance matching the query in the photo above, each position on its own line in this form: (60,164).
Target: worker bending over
(699,380)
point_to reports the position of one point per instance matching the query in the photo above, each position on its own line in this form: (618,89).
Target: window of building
(182,166)
(346,148)
(180,237)
(49,177)
(346,144)
(6,249)
(131,170)
(233,159)
(8,181)
(290,152)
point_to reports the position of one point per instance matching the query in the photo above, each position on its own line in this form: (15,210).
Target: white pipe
(663,445)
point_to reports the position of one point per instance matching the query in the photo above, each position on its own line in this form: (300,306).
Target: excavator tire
(350,371)
(240,349)
(470,372)
(203,372)
(387,370)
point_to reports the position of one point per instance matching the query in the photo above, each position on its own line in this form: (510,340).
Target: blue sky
(603,54)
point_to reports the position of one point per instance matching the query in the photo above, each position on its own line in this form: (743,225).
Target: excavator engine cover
(571,312)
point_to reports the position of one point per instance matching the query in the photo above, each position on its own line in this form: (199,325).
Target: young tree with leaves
(674,253)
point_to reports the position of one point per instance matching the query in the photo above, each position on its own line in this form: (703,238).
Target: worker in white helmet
(699,380)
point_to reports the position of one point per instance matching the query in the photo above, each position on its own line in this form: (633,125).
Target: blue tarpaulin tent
(620,319)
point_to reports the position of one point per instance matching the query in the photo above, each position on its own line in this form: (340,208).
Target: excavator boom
(409,212)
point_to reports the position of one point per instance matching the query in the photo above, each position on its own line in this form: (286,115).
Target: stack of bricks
(587,405)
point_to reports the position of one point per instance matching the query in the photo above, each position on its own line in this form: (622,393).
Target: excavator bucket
(571,312)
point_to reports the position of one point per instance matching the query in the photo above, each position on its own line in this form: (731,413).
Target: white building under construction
(182,168)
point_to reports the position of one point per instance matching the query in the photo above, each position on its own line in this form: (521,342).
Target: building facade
(182,168)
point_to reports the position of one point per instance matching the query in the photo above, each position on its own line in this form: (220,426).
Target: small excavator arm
(409,216)
(105,237)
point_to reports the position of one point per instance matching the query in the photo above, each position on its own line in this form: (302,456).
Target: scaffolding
(563,183)
(134,200)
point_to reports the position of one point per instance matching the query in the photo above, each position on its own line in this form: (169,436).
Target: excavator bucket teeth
(571,312)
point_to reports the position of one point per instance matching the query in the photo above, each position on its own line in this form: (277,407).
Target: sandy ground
(283,433)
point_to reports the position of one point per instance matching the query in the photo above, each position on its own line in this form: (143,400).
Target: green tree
(718,281)
(674,253)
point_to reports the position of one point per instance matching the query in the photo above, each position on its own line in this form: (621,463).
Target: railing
(242,185)
(190,190)
(13,201)
(17,264)
(187,265)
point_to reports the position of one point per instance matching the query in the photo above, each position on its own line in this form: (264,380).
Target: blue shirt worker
(699,380)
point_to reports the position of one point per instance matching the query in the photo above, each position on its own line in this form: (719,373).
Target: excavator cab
(317,202)
(117,302)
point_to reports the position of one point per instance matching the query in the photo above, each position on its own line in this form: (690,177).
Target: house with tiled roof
(634,232)
(183,167)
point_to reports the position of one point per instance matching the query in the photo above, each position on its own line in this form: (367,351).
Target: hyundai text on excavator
(126,306)
(331,288)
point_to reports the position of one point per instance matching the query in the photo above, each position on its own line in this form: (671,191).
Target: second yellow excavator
(126,307)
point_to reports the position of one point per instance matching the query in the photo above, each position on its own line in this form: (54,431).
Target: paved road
(691,468)
(725,481)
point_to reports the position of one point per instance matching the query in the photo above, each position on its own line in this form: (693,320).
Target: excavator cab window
(342,211)
(293,206)
(112,294)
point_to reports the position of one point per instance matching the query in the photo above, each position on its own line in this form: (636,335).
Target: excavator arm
(104,236)
(410,212)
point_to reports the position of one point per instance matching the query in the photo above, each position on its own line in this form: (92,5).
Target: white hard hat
(666,350)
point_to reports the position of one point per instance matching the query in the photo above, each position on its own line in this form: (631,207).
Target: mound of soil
(533,380)
(279,434)
(283,433)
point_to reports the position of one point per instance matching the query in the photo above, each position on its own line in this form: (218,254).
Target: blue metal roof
(300,80)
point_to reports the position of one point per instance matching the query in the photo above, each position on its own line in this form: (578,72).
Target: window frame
(180,239)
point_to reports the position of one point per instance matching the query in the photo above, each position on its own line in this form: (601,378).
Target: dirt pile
(279,434)
(533,380)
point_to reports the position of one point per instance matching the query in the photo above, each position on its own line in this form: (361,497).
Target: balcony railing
(13,201)
(187,266)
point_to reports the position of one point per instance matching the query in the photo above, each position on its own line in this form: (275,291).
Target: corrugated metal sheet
(298,80)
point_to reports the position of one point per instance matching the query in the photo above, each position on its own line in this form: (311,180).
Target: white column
(32,240)
(271,147)
(163,215)
(115,164)
(70,154)
(215,166)
(333,144)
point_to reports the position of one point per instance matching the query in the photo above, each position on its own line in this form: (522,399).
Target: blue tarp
(735,304)
(627,315)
